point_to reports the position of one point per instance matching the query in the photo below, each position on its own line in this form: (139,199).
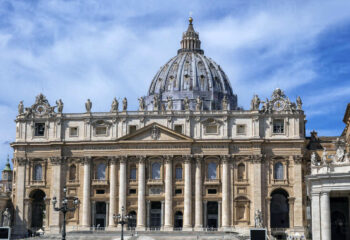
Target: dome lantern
(190,40)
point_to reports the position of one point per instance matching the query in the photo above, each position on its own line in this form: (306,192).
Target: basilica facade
(188,159)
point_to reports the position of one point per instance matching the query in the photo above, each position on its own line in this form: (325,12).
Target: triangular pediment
(155,132)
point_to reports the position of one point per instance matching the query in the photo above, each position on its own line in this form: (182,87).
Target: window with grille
(278,126)
(39,129)
(101,131)
(241,129)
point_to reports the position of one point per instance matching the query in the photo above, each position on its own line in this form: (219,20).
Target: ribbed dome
(190,75)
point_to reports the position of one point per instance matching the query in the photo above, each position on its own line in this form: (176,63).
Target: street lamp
(64,209)
(122,219)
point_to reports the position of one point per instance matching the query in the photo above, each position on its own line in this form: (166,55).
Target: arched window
(101,171)
(72,172)
(279,209)
(38,172)
(241,171)
(156,171)
(133,172)
(212,171)
(278,171)
(178,172)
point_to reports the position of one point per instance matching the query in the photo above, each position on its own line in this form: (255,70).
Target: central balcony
(154,182)
(99,182)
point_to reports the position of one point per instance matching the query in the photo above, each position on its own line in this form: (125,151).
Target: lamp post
(64,209)
(122,219)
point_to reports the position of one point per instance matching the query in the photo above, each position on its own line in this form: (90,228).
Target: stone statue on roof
(115,105)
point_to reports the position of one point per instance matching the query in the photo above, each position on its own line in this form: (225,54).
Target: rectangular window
(278,126)
(100,191)
(241,129)
(133,174)
(178,191)
(178,128)
(101,130)
(211,129)
(212,191)
(178,173)
(132,129)
(132,191)
(39,129)
(73,131)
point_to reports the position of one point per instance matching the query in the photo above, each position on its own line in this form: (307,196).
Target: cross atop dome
(190,40)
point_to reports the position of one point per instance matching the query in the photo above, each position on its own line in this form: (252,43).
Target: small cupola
(190,40)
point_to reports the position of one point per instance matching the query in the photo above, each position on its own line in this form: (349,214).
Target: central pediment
(155,132)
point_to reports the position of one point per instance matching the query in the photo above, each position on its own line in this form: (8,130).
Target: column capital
(291,200)
(112,160)
(56,160)
(324,193)
(21,161)
(141,158)
(225,158)
(256,158)
(87,160)
(123,159)
(168,158)
(187,158)
(298,159)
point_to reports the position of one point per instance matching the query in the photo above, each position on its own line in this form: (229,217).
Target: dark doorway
(279,209)
(100,214)
(156,214)
(38,208)
(340,218)
(132,220)
(178,220)
(212,209)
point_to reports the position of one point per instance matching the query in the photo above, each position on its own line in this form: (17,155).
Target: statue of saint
(141,104)
(324,156)
(186,103)
(255,103)
(6,218)
(199,104)
(88,105)
(299,103)
(59,104)
(224,103)
(115,105)
(258,219)
(20,108)
(170,103)
(313,159)
(155,103)
(125,104)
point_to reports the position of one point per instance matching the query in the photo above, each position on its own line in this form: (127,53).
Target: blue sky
(76,50)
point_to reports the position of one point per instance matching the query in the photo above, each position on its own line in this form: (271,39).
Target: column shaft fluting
(325,216)
(315,208)
(225,193)
(141,216)
(187,223)
(112,192)
(198,196)
(122,184)
(86,221)
(168,216)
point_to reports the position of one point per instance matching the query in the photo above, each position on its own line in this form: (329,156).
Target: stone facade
(188,168)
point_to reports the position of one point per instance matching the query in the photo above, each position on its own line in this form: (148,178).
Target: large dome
(190,75)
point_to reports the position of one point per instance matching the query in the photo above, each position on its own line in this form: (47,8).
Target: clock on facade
(279,105)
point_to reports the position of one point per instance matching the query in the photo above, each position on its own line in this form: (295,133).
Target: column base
(198,228)
(225,229)
(168,228)
(187,229)
(140,228)
(85,228)
(54,230)
(111,228)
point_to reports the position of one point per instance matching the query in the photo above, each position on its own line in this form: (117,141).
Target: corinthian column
(325,216)
(112,192)
(187,223)
(20,224)
(141,216)
(198,197)
(56,188)
(122,184)
(86,193)
(168,216)
(225,192)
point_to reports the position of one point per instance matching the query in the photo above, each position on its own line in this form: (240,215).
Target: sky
(74,50)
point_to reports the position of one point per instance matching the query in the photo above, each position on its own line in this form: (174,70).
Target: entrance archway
(132,220)
(212,216)
(279,209)
(100,214)
(340,218)
(38,208)
(156,209)
(178,220)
